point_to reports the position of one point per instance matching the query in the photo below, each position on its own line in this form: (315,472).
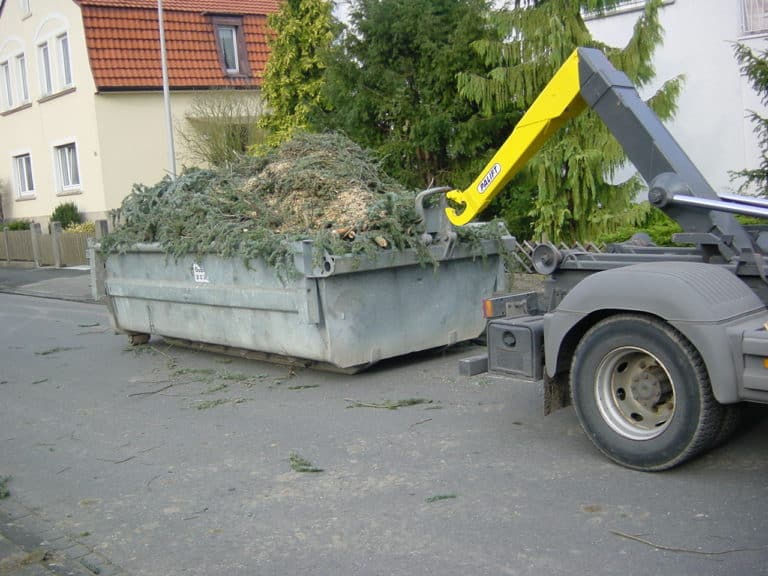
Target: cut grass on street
(299,464)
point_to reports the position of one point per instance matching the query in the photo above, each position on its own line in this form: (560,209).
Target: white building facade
(711,124)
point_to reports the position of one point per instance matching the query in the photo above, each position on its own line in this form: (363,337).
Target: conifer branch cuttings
(318,187)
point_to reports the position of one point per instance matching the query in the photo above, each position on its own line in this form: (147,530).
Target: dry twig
(686,550)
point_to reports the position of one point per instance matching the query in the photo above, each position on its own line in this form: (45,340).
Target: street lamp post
(166,93)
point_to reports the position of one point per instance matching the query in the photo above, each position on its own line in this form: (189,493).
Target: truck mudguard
(705,303)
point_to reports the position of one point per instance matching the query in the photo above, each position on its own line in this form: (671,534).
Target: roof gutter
(112,89)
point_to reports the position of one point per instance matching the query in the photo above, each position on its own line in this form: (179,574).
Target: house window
(7,88)
(21,76)
(230,44)
(65,66)
(228,47)
(46,78)
(619,8)
(22,175)
(55,65)
(629,4)
(754,16)
(67,171)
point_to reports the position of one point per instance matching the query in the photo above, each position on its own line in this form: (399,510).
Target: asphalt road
(162,461)
(60,283)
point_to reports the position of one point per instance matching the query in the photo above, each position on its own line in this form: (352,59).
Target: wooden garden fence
(59,248)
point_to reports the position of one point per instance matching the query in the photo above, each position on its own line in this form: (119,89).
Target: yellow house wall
(121,137)
(133,135)
(65,116)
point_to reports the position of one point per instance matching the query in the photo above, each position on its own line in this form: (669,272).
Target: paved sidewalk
(30,547)
(72,284)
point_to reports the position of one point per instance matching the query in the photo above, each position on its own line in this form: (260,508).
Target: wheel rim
(635,393)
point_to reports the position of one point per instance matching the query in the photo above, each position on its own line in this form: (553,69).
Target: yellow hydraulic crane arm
(559,101)
(588,80)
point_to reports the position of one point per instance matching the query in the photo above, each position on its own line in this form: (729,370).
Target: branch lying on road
(686,550)
(387,405)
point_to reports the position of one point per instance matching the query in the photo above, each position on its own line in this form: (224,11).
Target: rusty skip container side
(344,312)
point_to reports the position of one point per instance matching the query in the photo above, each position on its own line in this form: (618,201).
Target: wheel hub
(649,387)
(634,393)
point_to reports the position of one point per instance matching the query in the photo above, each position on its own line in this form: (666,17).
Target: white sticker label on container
(199,273)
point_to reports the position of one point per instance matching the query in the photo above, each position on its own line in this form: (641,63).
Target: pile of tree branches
(320,187)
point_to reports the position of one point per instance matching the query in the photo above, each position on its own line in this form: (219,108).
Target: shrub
(66,214)
(18,225)
(657,225)
(221,126)
(82,228)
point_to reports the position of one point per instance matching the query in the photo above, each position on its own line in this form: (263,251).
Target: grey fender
(702,301)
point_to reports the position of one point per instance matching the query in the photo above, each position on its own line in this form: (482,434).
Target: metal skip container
(341,311)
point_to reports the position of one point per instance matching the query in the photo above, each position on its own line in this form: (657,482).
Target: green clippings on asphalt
(388,405)
(251,381)
(210,403)
(204,371)
(4,492)
(84,534)
(299,464)
(438,497)
(140,349)
(232,376)
(216,388)
(40,381)
(303,387)
(57,349)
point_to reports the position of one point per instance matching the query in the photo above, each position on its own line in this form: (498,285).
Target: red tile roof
(123,42)
(213,6)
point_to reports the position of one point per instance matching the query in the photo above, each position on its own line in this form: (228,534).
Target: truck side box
(516,346)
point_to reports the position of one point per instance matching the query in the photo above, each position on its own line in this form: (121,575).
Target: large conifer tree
(575,200)
(392,88)
(755,66)
(302,34)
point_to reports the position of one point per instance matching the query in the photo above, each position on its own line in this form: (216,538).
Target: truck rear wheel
(642,393)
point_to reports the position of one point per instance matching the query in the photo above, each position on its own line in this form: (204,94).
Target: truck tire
(642,393)
(732,418)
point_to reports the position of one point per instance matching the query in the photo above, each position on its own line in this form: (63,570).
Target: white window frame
(235,47)
(54,63)
(22,84)
(21,178)
(6,85)
(754,17)
(64,61)
(63,166)
(45,68)
(621,8)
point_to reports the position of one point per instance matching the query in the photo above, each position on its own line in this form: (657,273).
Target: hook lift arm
(588,79)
